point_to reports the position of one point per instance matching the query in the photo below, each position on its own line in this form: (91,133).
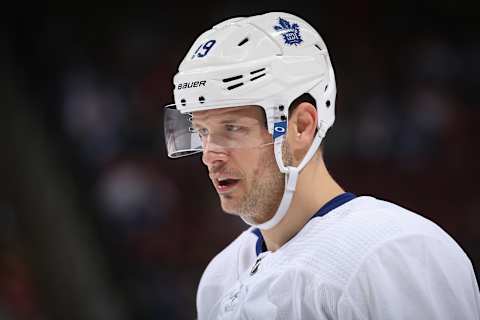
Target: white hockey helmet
(266,60)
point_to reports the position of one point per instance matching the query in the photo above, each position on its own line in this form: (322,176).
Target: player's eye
(233,128)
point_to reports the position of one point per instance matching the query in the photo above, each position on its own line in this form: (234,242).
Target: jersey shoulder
(224,270)
(392,220)
(412,262)
(369,247)
(334,246)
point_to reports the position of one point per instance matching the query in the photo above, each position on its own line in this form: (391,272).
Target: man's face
(241,161)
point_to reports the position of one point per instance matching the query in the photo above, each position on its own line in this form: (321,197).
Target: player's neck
(315,187)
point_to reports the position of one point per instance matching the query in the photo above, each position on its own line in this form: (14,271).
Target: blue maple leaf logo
(290,32)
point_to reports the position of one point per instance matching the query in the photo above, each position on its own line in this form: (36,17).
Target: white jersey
(358,258)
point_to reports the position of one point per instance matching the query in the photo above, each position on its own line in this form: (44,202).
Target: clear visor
(241,127)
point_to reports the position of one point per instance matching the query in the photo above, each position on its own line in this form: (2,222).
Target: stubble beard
(261,202)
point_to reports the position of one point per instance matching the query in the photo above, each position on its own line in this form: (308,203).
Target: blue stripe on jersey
(334,203)
(260,245)
(326,208)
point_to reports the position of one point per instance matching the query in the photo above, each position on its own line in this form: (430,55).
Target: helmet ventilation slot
(256,74)
(259,76)
(235,86)
(232,78)
(257,71)
(241,43)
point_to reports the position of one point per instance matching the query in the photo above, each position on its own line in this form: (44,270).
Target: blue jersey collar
(326,208)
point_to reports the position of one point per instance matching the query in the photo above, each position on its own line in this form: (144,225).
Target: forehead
(233,114)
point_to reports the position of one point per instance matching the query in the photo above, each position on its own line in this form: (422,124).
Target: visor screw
(201,99)
(183,102)
(281,108)
(328,103)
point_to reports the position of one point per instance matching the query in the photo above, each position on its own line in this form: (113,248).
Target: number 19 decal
(203,49)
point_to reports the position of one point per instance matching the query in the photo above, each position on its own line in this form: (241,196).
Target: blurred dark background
(97,223)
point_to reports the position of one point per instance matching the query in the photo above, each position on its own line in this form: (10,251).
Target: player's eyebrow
(225,117)
(233,120)
(226,121)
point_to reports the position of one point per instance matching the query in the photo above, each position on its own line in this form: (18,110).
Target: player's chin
(229,205)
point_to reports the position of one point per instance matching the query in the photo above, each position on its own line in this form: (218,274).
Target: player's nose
(213,150)
(213,155)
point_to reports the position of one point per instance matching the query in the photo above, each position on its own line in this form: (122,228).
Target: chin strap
(291,176)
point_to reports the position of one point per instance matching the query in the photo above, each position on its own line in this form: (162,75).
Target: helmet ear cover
(306,97)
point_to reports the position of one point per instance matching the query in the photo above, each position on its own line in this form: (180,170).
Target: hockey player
(256,96)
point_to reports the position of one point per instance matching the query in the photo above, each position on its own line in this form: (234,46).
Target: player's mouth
(224,185)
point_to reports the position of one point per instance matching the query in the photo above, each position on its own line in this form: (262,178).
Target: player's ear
(302,125)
